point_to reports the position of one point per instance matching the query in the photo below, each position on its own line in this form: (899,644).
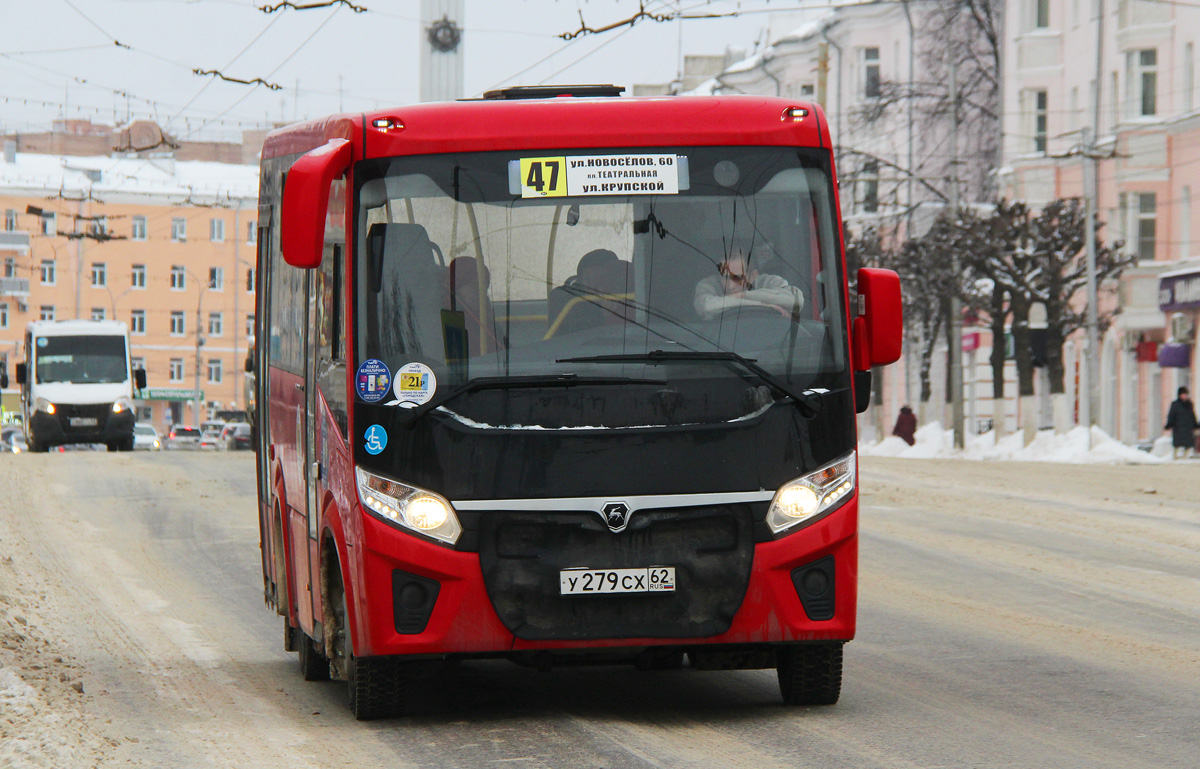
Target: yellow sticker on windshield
(543,177)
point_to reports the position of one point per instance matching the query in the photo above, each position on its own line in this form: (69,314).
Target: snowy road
(1011,615)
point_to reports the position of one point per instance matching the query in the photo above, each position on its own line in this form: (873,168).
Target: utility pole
(822,74)
(956,372)
(1089,196)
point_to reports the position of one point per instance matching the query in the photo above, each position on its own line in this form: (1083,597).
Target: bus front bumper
(426,599)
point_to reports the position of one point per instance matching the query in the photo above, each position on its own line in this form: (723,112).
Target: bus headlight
(810,495)
(416,509)
(43,405)
(122,404)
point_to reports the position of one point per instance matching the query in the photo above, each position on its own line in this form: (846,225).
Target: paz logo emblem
(616,516)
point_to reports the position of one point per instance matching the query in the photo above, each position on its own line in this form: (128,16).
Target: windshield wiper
(809,403)
(515,382)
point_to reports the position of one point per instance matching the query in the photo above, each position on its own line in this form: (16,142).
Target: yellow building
(166,246)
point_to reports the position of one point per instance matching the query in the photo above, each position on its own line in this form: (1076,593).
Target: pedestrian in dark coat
(1181,421)
(906,425)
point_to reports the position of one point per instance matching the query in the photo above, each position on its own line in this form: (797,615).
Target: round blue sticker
(375,439)
(373,380)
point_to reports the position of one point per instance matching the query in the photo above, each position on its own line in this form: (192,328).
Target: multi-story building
(166,246)
(1116,80)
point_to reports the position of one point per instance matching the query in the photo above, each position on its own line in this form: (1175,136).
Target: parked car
(236,435)
(210,439)
(183,437)
(146,438)
(12,440)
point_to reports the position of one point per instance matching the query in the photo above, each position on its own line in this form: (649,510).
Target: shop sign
(1179,292)
(169,394)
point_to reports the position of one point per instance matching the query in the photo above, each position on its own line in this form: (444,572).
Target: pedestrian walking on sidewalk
(906,426)
(1181,421)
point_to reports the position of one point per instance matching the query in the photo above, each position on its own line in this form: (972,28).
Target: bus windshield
(85,359)
(596,262)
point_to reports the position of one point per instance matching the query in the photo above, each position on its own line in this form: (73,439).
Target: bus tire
(373,686)
(810,674)
(314,665)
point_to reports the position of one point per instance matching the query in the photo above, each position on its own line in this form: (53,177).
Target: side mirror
(139,378)
(3,380)
(21,373)
(306,201)
(879,330)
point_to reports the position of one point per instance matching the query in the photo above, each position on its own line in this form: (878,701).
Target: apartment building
(166,246)
(1117,78)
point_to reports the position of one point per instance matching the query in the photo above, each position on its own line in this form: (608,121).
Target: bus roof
(77,327)
(562,123)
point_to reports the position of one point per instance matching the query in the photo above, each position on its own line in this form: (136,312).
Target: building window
(1143,82)
(1146,225)
(48,272)
(807,89)
(1040,108)
(216,278)
(214,372)
(98,227)
(137,276)
(178,323)
(175,370)
(4,315)
(137,321)
(870,187)
(870,57)
(137,363)
(97,313)
(139,228)
(99,274)
(46,312)
(252,232)
(10,267)
(250,279)
(216,230)
(1189,77)
(49,223)
(178,277)
(10,219)
(1185,223)
(179,229)
(216,323)
(1041,14)
(250,325)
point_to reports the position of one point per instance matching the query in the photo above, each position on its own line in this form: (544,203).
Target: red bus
(560,377)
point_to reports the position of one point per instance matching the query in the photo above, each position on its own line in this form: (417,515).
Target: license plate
(84,422)
(655,579)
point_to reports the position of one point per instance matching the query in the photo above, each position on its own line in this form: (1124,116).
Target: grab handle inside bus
(878,330)
(306,201)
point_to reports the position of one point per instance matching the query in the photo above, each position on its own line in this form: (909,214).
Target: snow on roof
(200,182)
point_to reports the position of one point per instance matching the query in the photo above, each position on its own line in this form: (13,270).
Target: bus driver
(738,285)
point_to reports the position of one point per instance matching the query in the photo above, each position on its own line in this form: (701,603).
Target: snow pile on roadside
(42,718)
(932,441)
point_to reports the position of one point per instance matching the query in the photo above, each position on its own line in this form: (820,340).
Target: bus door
(324,376)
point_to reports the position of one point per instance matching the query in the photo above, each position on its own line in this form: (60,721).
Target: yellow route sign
(543,177)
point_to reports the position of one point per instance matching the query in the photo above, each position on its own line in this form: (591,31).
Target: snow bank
(933,441)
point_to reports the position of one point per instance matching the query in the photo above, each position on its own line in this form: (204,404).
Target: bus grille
(711,548)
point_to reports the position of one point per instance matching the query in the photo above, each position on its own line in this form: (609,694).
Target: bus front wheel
(810,674)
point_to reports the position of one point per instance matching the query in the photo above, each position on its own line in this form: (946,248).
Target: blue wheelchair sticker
(376,439)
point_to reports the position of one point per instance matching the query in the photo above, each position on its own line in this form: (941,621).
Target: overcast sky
(59,57)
